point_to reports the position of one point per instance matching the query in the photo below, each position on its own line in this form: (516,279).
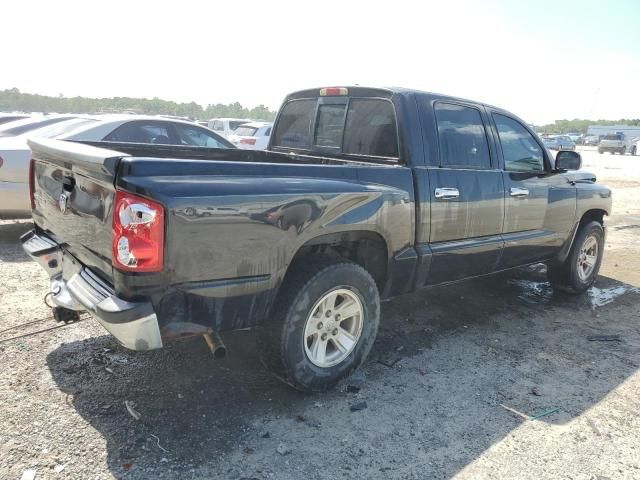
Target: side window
(371,128)
(139,132)
(294,124)
(217,126)
(462,137)
(520,150)
(195,136)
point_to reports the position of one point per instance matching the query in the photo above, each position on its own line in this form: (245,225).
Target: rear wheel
(633,150)
(580,269)
(324,324)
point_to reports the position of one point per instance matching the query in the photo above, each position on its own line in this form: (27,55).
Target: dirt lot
(461,353)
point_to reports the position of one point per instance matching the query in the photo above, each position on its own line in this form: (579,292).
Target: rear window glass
(612,137)
(30,125)
(368,127)
(294,124)
(371,129)
(329,125)
(233,124)
(246,131)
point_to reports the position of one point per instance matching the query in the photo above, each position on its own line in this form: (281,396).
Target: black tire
(633,150)
(600,151)
(565,276)
(282,345)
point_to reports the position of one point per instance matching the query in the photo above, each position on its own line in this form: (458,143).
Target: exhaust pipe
(215,344)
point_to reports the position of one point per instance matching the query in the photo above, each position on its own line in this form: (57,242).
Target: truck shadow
(10,232)
(444,362)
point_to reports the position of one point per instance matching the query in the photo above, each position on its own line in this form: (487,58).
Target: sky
(542,60)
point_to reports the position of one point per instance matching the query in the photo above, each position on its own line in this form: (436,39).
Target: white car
(226,126)
(252,136)
(15,153)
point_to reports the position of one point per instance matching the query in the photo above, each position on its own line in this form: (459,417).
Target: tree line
(580,125)
(15,100)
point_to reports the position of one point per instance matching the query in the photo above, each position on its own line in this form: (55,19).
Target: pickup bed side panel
(232,230)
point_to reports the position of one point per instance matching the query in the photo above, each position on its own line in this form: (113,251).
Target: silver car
(15,153)
(558,142)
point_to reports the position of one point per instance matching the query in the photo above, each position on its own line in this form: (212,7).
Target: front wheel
(324,324)
(580,269)
(633,150)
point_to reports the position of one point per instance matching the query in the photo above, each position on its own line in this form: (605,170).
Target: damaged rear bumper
(75,287)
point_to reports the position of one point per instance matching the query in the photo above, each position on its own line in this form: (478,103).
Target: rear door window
(461,136)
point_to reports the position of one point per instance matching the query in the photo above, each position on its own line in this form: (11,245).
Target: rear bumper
(73,286)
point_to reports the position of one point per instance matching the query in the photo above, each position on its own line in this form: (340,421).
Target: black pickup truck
(362,195)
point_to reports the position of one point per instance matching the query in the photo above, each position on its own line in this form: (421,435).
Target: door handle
(518,192)
(447,193)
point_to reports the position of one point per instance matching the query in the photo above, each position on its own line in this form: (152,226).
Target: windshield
(245,131)
(57,129)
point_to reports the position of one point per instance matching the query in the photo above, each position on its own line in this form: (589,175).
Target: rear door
(540,205)
(466,195)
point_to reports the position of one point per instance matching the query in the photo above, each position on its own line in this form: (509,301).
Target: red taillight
(248,141)
(138,234)
(32,184)
(333,91)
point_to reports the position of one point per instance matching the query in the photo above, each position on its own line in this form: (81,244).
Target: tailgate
(73,192)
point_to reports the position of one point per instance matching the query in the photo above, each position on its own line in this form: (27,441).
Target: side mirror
(568,160)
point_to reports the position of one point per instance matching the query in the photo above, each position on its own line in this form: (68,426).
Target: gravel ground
(447,364)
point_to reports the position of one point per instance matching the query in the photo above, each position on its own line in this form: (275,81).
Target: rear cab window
(339,125)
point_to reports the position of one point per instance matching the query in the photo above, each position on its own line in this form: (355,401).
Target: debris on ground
(132,411)
(300,418)
(283,449)
(389,359)
(544,413)
(352,389)
(534,391)
(604,338)
(59,468)
(248,450)
(356,407)
(535,416)
(29,474)
(513,410)
(266,435)
(422,371)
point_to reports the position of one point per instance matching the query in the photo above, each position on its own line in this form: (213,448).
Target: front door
(466,197)
(540,205)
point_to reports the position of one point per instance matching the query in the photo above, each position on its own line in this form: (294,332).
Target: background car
(15,153)
(11,117)
(591,140)
(612,143)
(252,136)
(14,165)
(226,126)
(558,142)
